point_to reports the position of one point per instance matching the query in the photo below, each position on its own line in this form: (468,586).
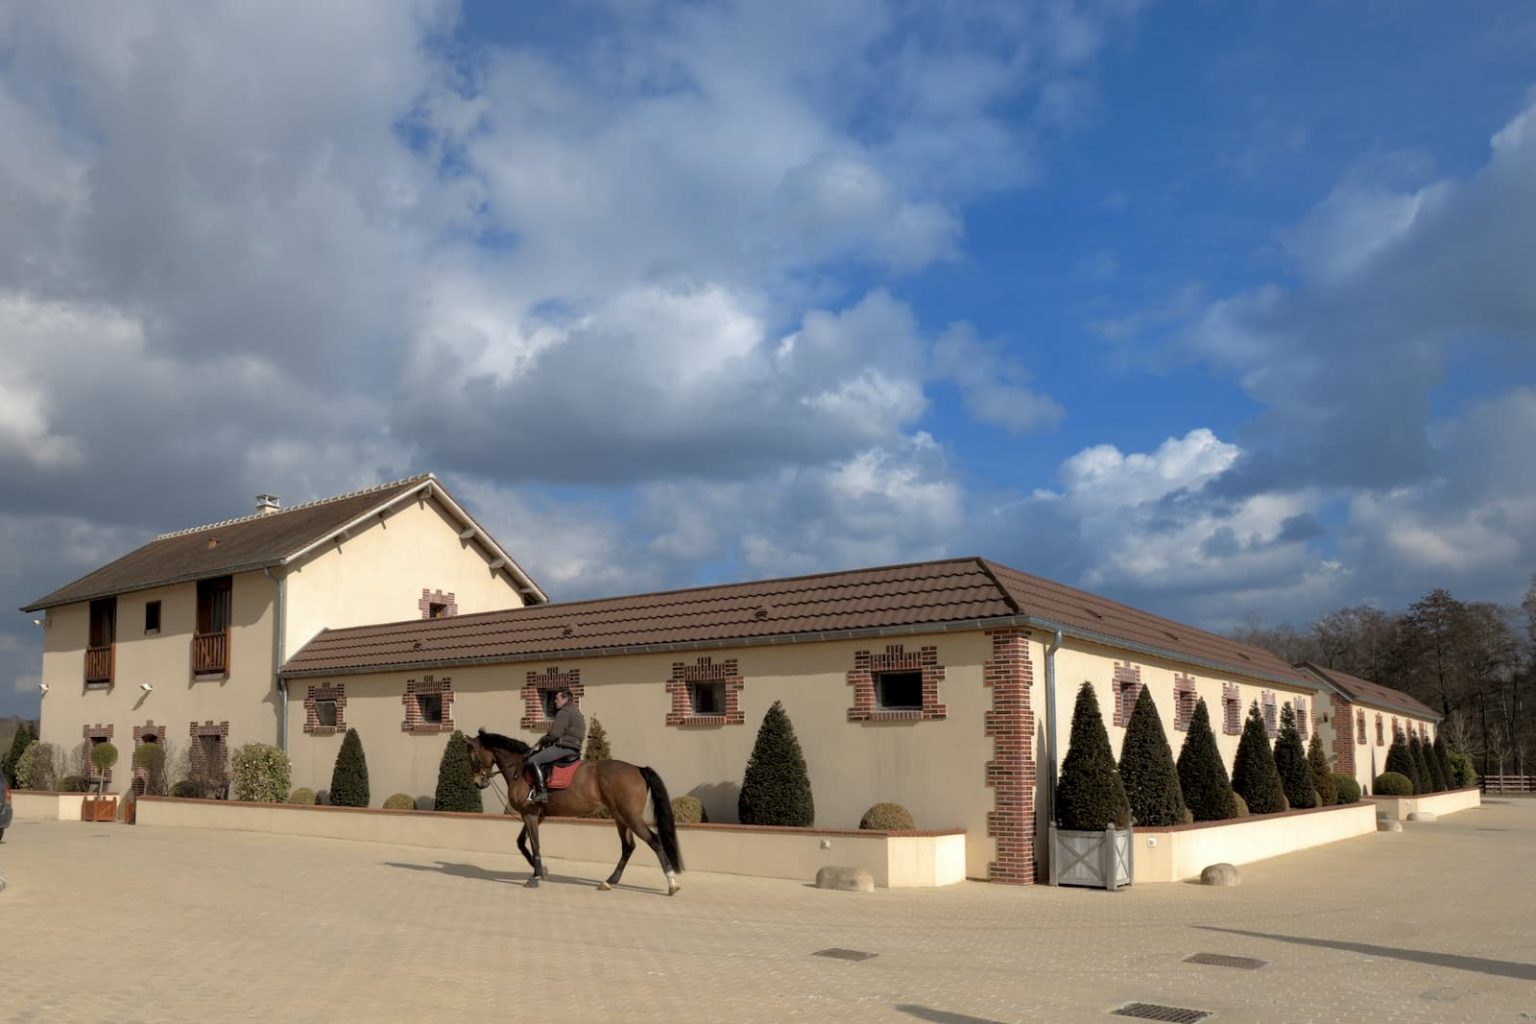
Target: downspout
(1050,747)
(281,684)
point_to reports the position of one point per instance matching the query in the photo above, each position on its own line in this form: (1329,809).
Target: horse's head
(490,753)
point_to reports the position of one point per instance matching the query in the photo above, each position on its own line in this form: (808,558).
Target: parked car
(5,806)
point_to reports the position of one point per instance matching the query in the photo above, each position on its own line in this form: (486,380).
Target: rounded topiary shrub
(1348,788)
(456,790)
(1239,806)
(1202,773)
(103,757)
(776,789)
(1291,763)
(887,818)
(1254,776)
(1322,774)
(262,773)
(1146,767)
(687,810)
(1090,795)
(303,796)
(1463,770)
(400,802)
(187,790)
(349,779)
(38,766)
(1392,784)
(149,758)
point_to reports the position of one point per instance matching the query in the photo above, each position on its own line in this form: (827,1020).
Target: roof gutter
(821,636)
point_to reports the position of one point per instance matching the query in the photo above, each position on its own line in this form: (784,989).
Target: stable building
(1362,719)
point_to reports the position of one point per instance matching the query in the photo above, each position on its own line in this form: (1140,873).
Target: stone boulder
(845,879)
(1220,874)
(1421,816)
(1387,825)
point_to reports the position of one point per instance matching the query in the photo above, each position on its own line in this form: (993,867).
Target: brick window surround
(449,606)
(540,682)
(414,722)
(866,666)
(92,734)
(198,754)
(1184,700)
(1397,729)
(336,692)
(705,670)
(1267,706)
(1360,724)
(151,733)
(1303,723)
(1231,710)
(1379,741)
(1011,772)
(1127,689)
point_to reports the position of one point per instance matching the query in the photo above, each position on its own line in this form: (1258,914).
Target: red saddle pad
(560,776)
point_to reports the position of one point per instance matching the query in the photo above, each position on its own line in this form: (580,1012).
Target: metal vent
(1247,963)
(844,954)
(1151,1011)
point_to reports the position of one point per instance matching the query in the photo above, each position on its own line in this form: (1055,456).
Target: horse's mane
(496,741)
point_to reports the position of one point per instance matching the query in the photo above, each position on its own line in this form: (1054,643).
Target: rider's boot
(537,793)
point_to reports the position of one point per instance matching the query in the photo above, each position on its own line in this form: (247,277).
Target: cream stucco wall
(1371,756)
(933,768)
(378,573)
(1168,855)
(245,698)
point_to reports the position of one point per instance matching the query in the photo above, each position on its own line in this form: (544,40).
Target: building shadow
(1476,964)
(943,1016)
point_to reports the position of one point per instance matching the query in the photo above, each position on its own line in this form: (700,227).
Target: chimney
(266,504)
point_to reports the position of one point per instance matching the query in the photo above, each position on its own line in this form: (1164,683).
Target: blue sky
(1215,308)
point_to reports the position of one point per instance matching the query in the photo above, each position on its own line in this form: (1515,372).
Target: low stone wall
(1175,852)
(893,859)
(1397,808)
(32,805)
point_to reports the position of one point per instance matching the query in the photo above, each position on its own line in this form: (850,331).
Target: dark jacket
(568,729)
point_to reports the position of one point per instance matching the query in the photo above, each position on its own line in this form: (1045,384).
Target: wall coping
(595,822)
(1227,822)
(1420,796)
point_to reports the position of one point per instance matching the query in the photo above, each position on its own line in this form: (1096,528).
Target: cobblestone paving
(108,923)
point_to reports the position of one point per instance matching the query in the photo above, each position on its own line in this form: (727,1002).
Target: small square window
(899,691)
(706,698)
(1231,716)
(547,698)
(431,707)
(325,713)
(152,618)
(436,610)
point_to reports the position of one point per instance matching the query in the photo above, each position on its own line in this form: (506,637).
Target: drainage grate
(1151,1011)
(1247,963)
(844,954)
(1493,830)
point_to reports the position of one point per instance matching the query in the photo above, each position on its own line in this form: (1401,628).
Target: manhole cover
(1247,963)
(1151,1011)
(845,954)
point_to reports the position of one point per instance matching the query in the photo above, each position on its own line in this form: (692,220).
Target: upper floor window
(1379,740)
(151,618)
(1360,726)
(899,691)
(1267,698)
(103,622)
(213,604)
(707,698)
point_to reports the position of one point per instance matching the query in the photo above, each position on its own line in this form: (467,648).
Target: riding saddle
(559,774)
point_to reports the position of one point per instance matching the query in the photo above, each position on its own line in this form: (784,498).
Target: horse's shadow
(509,877)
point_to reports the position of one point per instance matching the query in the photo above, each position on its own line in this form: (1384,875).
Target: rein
(505,793)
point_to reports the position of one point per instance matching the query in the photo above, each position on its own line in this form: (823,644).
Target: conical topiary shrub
(1202,775)
(1442,758)
(456,790)
(1254,776)
(1399,760)
(1146,767)
(1322,773)
(1291,762)
(23,739)
(776,789)
(1090,795)
(1426,778)
(349,780)
(597,743)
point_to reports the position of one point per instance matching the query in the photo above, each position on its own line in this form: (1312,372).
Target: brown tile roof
(924,597)
(1365,692)
(250,542)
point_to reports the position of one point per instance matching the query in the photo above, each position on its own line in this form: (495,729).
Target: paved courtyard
(124,924)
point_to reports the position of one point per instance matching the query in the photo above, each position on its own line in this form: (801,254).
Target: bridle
(503,794)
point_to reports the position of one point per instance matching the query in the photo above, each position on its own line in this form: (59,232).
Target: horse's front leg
(522,846)
(531,830)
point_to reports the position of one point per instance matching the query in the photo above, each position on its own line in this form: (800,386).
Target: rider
(567,732)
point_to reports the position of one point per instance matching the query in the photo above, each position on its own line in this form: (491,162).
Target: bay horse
(620,787)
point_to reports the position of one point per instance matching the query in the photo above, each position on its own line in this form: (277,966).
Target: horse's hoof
(532,883)
(673,888)
(604,887)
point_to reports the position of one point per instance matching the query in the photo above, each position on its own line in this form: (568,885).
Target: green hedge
(1254,776)
(1090,794)
(349,779)
(1349,789)
(1202,773)
(1146,767)
(262,773)
(887,818)
(1322,774)
(776,788)
(1392,784)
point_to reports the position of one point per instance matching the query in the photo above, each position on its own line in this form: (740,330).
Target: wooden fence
(1509,783)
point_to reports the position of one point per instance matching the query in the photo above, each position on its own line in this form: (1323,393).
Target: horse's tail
(666,828)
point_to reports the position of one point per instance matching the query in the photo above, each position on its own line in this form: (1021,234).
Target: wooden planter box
(98,808)
(1101,860)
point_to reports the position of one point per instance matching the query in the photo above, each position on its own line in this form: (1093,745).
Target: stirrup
(538,796)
